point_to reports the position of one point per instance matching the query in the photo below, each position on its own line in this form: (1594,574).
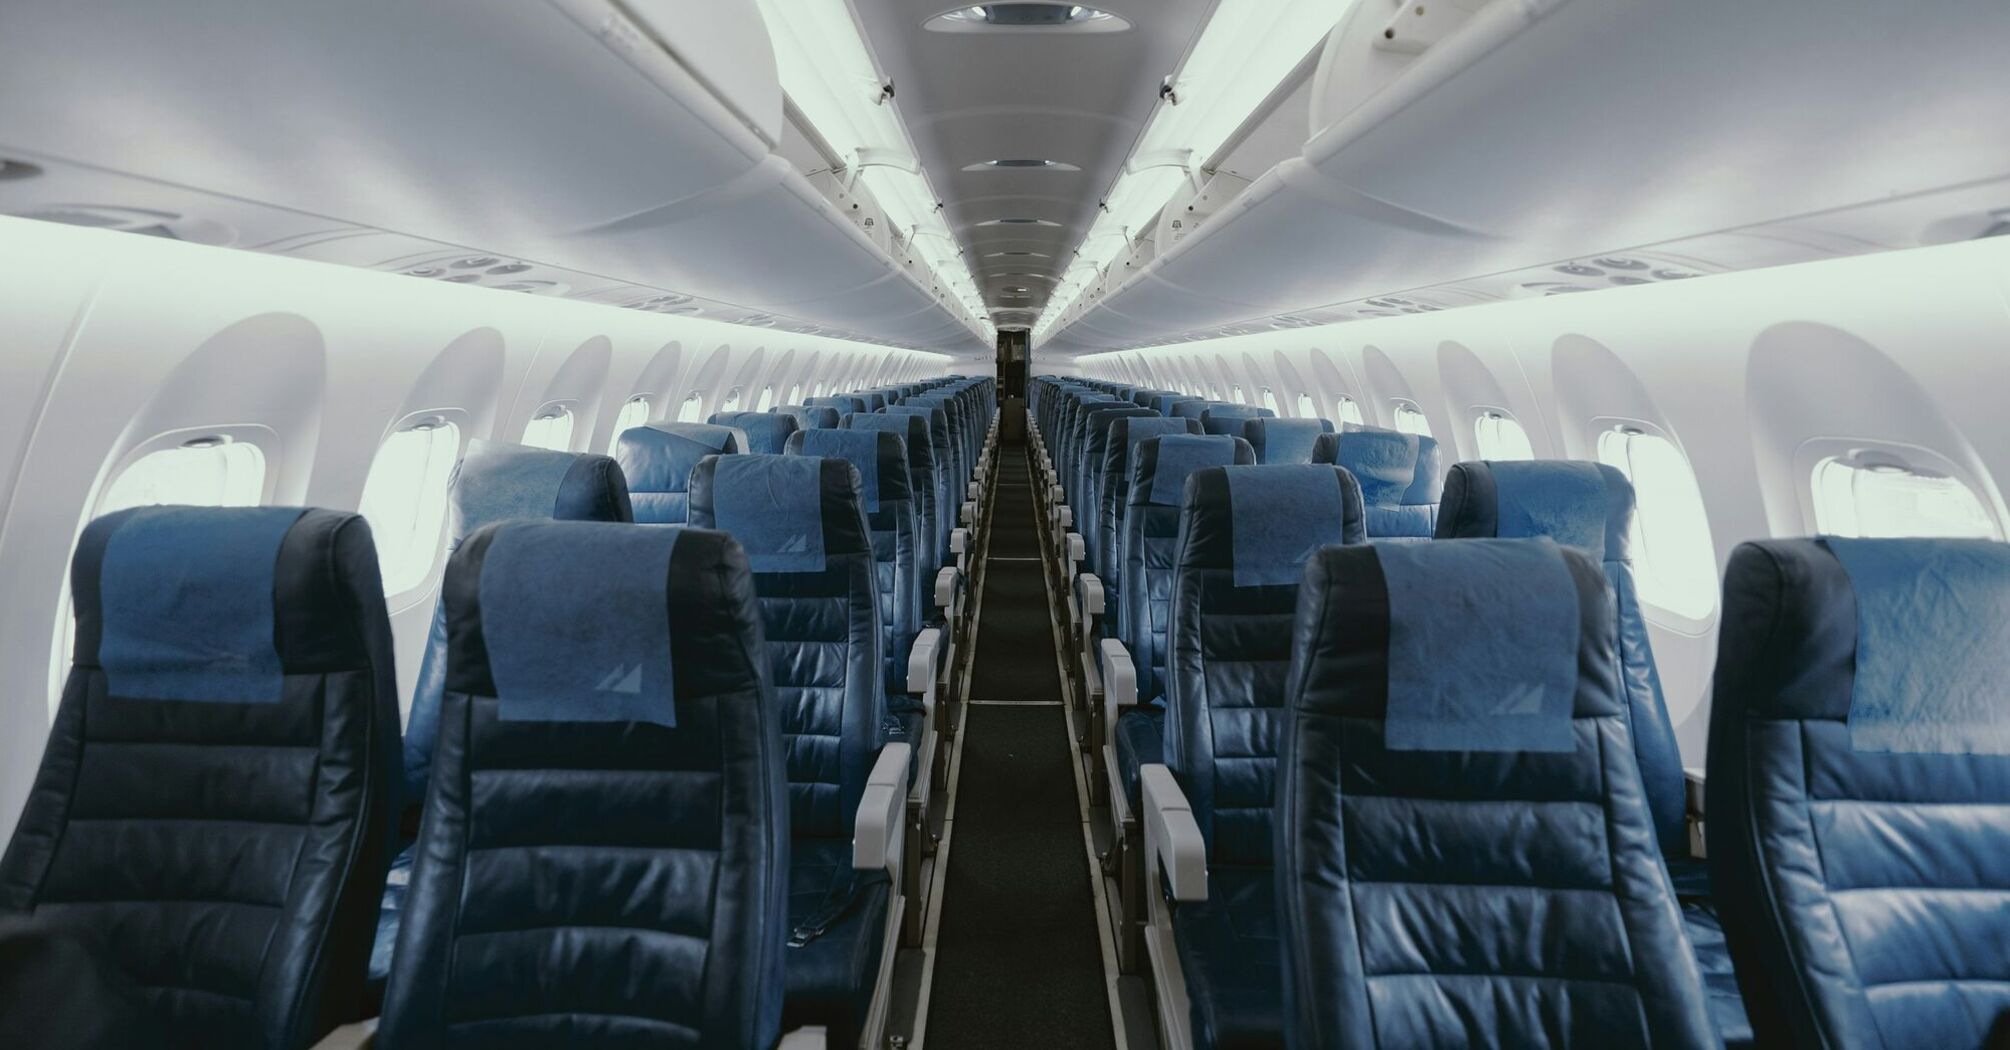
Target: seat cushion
(830,978)
(1727,1008)
(1228,949)
(1141,741)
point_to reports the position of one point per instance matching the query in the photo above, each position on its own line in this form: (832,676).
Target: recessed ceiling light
(1042,15)
(1004,255)
(1021,162)
(1018,222)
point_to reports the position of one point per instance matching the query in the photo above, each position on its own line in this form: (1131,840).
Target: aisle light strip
(830,77)
(1244,53)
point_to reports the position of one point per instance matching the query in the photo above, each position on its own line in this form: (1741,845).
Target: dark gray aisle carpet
(1017,959)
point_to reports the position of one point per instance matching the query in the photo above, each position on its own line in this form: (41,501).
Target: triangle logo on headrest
(622,680)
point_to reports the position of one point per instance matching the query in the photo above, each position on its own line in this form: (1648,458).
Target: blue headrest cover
(860,448)
(811,417)
(1280,515)
(1428,489)
(1228,419)
(659,457)
(497,481)
(1383,461)
(598,653)
(1135,429)
(1483,646)
(774,506)
(1182,454)
(186,595)
(1285,440)
(1576,503)
(766,431)
(906,427)
(1932,644)
(1168,404)
(1195,409)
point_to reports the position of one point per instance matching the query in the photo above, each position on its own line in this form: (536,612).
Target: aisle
(1018,962)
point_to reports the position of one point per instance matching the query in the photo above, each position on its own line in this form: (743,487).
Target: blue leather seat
(842,402)
(1401,475)
(1085,498)
(1590,506)
(1859,791)
(959,448)
(657,460)
(599,865)
(804,527)
(1113,500)
(912,430)
(494,482)
(1167,404)
(765,432)
(216,801)
(1464,855)
(810,417)
(1197,409)
(886,492)
(1245,535)
(1228,419)
(947,498)
(1286,440)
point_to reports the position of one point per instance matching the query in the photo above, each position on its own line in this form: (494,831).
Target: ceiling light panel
(829,75)
(1245,51)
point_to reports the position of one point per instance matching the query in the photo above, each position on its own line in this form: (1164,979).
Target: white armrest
(969,513)
(1172,839)
(945,588)
(976,488)
(923,661)
(1064,517)
(1092,594)
(959,541)
(813,1037)
(1694,795)
(1692,779)
(882,813)
(359,1036)
(1120,675)
(1054,493)
(1076,552)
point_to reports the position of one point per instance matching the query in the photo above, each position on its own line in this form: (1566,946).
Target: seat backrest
(1859,790)
(215,805)
(1228,419)
(1401,477)
(948,496)
(1068,442)
(1196,408)
(1589,506)
(802,523)
(609,793)
(497,482)
(1113,495)
(657,460)
(810,417)
(912,430)
(887,491)
(842,402)
(1286,440)
(766,432)
(1087,467)
(1245,535)
(1159,469)
(1461,837)
(1168,405)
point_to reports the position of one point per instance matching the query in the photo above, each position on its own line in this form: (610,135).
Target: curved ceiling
(1080,98)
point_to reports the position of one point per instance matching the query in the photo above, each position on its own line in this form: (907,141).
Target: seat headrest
(910,427)
(1168,404)
(1197,409)
(1492,645)
(1399,474)
(1579,504)
(497,481)
(1160,465)
(219,604)
(934,416)
(810,417)
(765,431)
(1126,432)
(880,457)
(1227,419)
(548,653)
(1907,641)
(789,513)
(1284,440)
(1263,523)
(1096,419)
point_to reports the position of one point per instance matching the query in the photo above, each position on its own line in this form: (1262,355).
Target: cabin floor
(1017,949)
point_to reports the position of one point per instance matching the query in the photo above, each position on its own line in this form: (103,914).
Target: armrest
(1172,839)
(1694,796)
(1055,495)
(882,813)
(1064,517)
(923,661)
(969,513)
(959,541)
(1120,675)
(1076,551)
(810,1038)
(945,588)
(1092,593)
(975,488)
(359,1036)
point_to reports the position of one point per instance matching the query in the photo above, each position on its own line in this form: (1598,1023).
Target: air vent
(1018,222)
(1027,16)
(1021,163)
(146,221)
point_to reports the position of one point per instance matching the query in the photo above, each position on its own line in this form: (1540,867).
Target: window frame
(553,410)
(462,425)
(694,404)
(1677,620)
(1482,413)
(1401,408)
(1816,453)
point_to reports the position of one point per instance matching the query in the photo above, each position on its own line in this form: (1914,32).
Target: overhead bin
(631,140)
(1535,131)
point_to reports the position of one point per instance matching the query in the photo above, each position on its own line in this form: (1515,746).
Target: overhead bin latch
(1418,24)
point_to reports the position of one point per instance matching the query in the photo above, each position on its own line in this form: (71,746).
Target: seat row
(655,782)
(1448,873)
